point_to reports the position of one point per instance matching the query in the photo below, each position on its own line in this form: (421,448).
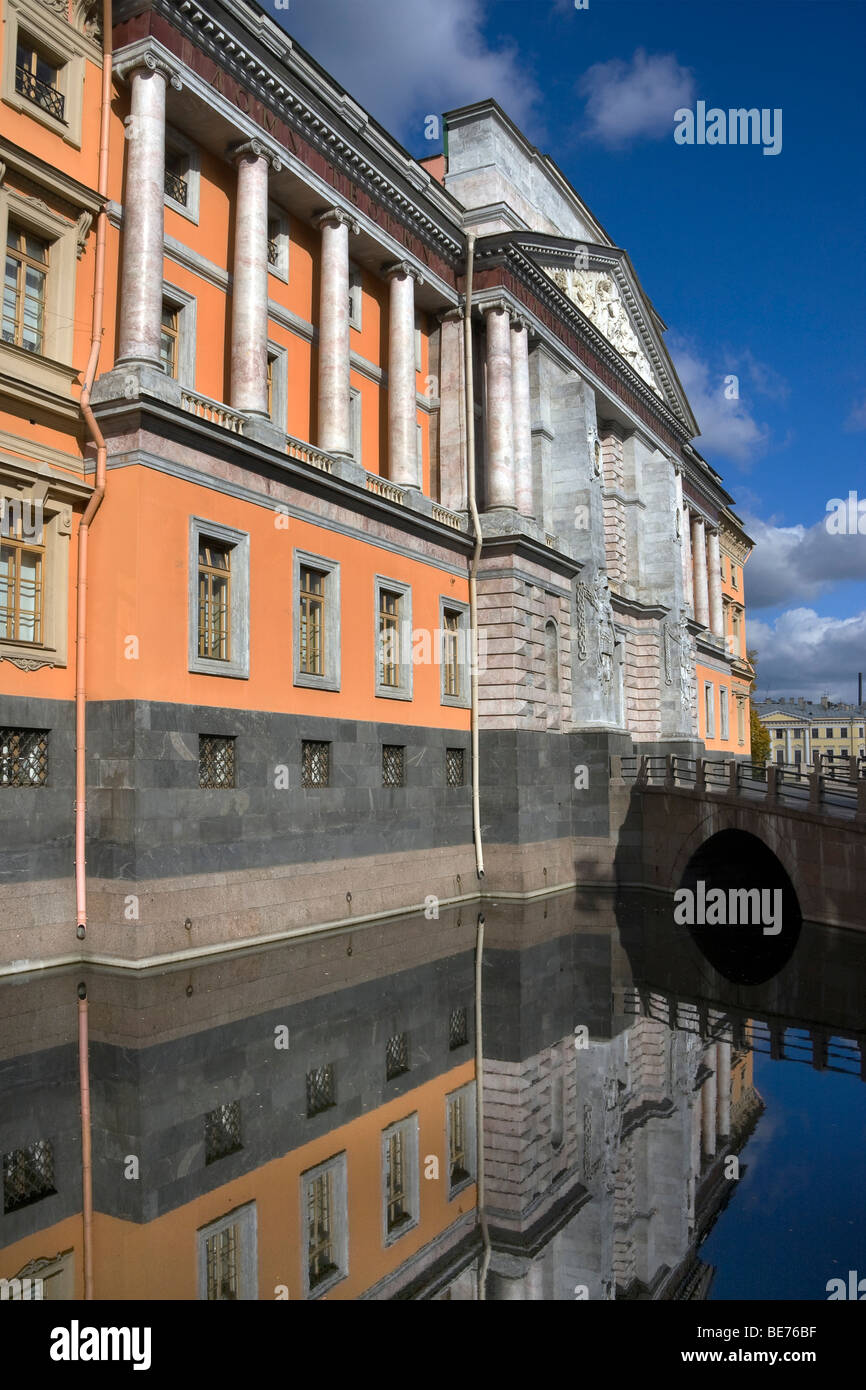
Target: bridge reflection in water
(300,1122)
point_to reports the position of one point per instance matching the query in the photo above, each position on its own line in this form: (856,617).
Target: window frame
(403,690)
(709,710)
(246,1217)
(356,297)
(185,305)
(337,1165)
(278,356)
(238,665)
(724,714)
(462,699)
(470,1138)
(409,1129)
(280,270)
(179,144)
(59,300)
(56,537)
(64,47)
(356,424)
(330,680)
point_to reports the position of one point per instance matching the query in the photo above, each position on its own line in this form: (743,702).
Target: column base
(262,430)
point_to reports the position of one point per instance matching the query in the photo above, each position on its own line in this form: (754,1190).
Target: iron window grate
(454,767)
(396,1056)
(321,1089)
(273,252)
(28,1176)
(42,94)
(176,187)
(315,764)
(393,765)
(458,1029)
(222,1132)
(23,757)
(216,761)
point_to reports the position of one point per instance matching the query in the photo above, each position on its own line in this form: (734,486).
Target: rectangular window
(323,1193)
(278,243)
(321,1089)
(176,170)
(312,621)
(734,572)
(389,637)
(458,1029)
(393,639)
(21,586)
(450,653)
(393,765)
(315,763)
(228,1257)
(798,757)
(396,1056)
(460,1125)
(169,334)
(454,767)
(24,289)
(454,654)
(219,600)
(710,710)
(780,733)
(214,599)
(723,711)
(216,761)
(828,733)
(222,1132)
(741,721)
(23,757)
(400,1178)
(356,423)
(355,297)
(28,1176)
(780,756)
(36,78)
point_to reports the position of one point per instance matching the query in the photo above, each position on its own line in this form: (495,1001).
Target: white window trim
(463,700)
(67,49)
(409,1129)
(174,138)
(337,1164)
(279,355)
(248,1272)
(468,1091)
(280,271)
(238,667)
(185,305)
(61,235)
(709,710)
(356,416)
(418,356)
(403,691)
(330,680)
(355,296)
(724,714)
(56,537)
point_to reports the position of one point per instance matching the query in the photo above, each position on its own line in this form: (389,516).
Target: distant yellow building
(803,733)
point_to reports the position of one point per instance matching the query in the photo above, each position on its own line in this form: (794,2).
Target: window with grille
(321,1229)
(458,1029)
(450,653)
(321,1089)
(273,242)
(214,599)
(454,767)
(315,763)
(216,761)
(36,78)
(168,340)
(389,638)
(21,586)
(393,765)
(458,1158)
(176,171)
(396,1182)
(24,282)
(223,1263)
(222,1132)
(23,757)
(312,622)
(396,1056)
(28,1176)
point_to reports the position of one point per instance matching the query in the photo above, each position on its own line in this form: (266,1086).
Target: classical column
(249,359)
(717,621)
(334,415)
(723,1083)
(452,411)
(708,1110)
(403,463)
(521,417)
(501,483)
(143,214)
(699,567)
(688,576)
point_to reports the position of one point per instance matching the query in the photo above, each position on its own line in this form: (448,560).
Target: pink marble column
(249,356)
(699,567)
(723,1097)
(521,417)
(501,482)
(143,215)
(403,463)
(452,411)
(335,434)
(717,619)
(688,577)
(708,1107)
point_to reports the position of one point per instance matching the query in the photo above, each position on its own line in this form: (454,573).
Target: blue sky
(755,262)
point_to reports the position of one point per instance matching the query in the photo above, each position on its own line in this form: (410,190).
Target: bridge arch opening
(738,903)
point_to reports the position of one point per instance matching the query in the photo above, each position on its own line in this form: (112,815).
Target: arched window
(551,666)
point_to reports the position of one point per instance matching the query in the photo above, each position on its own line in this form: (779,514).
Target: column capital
(519,323)
(496,306)
(148,59)
(254,149)
(337,217)
(453,314)
(393,268)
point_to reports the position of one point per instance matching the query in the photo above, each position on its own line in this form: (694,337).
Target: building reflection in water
(300,1122)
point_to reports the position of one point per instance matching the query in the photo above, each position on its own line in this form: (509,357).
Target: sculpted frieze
(597,296)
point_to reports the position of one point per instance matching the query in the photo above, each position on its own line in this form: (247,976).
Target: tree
(758,732)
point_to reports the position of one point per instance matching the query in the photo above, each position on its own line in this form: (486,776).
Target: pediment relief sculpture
(597,296)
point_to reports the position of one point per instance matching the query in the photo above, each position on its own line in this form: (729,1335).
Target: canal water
(302,1122)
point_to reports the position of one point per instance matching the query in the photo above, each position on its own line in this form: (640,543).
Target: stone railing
(306,453)
(773,784)
(214,411)
(383,488)
(549,539)
(447,518)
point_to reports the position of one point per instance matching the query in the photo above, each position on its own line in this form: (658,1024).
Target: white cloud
(403,59)
(791,563)
(804,654)
(727,426)
(857,417)
(635,100)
